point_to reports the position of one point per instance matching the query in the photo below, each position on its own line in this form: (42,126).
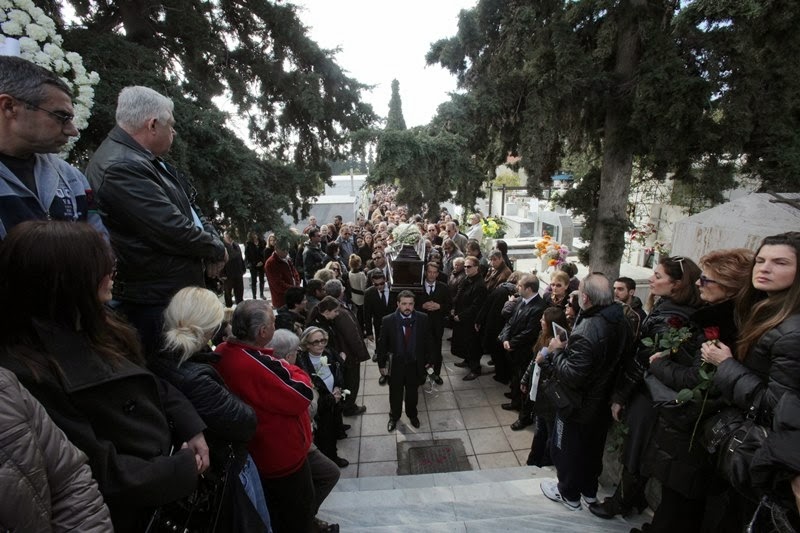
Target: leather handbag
(736,454)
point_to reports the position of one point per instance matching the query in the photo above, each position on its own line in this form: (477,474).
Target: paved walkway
(466,410)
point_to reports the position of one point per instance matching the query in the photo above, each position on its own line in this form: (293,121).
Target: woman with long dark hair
(674,296)
(544,411)
(144,440)
(765,363)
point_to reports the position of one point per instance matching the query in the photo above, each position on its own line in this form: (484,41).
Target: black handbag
(565,399)
(736,454)
(661,394)
(201,511)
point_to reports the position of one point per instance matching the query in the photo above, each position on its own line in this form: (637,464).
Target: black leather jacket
(589,362)
(771,369)
(147,208)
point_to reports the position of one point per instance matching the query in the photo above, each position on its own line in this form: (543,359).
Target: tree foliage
(676,87)
(428,163)
(395,120)
(296,104)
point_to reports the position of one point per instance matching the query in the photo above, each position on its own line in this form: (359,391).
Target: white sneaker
(550,490)
(588,500)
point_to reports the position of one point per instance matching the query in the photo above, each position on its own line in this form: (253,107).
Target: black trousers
(436,357)
(502,365)
(676,512)
(257,278)
(352,381)
(148,321)
(234,284)
(403,385)
(291,501)
(329,425)
(577,453)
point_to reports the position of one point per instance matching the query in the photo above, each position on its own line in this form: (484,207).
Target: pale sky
(382,40)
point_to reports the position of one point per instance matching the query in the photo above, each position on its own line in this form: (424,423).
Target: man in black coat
(435,302)
(492,322)
(469,299)
(517,338)
(378,302)
(234,271)
(582,372)
(160,239)
(404,349)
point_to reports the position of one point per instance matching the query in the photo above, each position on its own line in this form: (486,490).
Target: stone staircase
(496,500)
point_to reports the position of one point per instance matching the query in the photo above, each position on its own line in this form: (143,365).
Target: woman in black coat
(325,368)
(765,363)
(673,285)
(143,438)
(192,318)
(675,456)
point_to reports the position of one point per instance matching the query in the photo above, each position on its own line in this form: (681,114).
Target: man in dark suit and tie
(518,337)
(378,302)
(435,302)
(404,348)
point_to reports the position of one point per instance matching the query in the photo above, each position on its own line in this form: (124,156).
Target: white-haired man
(161,242)
(582,373)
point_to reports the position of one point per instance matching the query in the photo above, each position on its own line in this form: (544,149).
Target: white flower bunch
(40,44)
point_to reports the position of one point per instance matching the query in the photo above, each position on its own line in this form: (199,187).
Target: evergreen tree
(633,80)
(395,120)
(294,102)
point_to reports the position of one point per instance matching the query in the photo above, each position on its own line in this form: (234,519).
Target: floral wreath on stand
(30,34)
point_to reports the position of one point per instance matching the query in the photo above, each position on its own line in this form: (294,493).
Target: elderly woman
(324,366)
(84,365)
(325,473)
(191,320)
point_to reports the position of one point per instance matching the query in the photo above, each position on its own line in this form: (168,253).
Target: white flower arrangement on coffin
(39,43)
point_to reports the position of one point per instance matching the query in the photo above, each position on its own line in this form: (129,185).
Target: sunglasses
(705,281)
(470,266)
(319,341)
(678,259)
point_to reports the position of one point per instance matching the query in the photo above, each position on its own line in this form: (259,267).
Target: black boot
(629,494)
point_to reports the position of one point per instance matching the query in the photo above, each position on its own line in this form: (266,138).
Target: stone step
(443,480)
(463,501)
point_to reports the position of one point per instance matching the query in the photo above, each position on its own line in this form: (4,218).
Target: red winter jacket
(280,394)
(280,276)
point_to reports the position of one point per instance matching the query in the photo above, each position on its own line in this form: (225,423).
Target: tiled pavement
(466,410)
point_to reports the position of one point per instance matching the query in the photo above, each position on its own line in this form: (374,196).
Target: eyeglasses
(318,342)
(705,281)
(63,118)
(470,266)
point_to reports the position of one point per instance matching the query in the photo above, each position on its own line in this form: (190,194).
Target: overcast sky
(382,40)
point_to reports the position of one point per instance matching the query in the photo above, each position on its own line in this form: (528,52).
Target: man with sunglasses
(36,116)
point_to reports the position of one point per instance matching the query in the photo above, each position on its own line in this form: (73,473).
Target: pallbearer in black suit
(378,302)
(404,348)
(435,302)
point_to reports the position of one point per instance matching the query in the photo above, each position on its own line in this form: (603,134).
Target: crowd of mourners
(135,401)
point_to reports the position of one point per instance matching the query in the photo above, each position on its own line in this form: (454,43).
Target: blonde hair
(191,318)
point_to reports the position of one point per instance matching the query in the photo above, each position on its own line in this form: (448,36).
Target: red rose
(675,322)
(711,333)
